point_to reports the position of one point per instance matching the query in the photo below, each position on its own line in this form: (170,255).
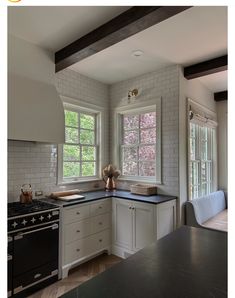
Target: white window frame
(153,105)
(213,146)
(83,107)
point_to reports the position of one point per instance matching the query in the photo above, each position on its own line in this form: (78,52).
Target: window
(202,153)
(136,145)
(79,151)
(78,157)
(138,149)
(200,173)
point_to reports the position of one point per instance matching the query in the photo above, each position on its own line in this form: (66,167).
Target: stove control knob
(14,224)
(41,218)
(49,216)
(33,220)
(24,222)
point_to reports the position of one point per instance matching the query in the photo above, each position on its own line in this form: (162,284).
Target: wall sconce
(132,93)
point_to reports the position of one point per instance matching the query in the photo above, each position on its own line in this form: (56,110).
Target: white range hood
(35,110)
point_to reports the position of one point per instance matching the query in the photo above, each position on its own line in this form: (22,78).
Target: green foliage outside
(71,169)
(72,152)
(71,135)
(87,121)
(87,137)
(88,169)
(88,153)
(71,118)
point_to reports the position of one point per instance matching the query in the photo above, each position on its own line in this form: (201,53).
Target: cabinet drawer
(100,222)
(77,230)
(100,207)
(86,246)
(100,240)
(76,214)
(77,249)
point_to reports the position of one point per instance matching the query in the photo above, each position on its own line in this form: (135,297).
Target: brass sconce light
(132,93)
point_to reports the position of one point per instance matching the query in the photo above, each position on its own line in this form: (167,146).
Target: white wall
(222,144)
(196,91)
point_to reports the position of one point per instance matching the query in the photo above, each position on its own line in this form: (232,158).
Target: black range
(33,245)
(21,216)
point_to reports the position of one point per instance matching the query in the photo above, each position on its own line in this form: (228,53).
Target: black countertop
(101,194)
(188,263)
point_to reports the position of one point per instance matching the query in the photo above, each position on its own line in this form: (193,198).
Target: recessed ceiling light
(137,53)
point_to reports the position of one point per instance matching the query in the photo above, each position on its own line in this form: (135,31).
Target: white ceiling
(216,82)
(195,35)
(53,27)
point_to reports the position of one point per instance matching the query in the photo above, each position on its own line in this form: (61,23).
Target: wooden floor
(78,276)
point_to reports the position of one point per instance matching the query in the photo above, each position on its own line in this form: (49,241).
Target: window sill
(144,180)
(61,183)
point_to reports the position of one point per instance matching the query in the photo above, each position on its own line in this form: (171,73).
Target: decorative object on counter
(144,189)
(26,195)
(67,195)
(64,193)
(109,173)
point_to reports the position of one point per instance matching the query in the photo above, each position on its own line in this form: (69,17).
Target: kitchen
(155,90)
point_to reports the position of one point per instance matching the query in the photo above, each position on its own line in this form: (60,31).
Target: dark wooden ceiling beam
(130,22)
(220,96)
(205,68)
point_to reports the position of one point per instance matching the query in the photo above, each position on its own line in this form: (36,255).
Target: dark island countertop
(188,263)
(101,194)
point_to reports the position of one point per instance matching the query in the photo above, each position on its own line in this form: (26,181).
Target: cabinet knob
(100,207)
(133,208)
(78,249)
(100,240)
(130,207)
(100,223)
(78,231)
(78,213)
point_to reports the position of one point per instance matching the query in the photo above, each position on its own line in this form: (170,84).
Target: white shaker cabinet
(136,224)
(143,225)
(166,218)
(86,232)
(122,223)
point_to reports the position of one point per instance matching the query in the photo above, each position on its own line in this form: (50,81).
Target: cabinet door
(122,223)
(166,218)
(143,225)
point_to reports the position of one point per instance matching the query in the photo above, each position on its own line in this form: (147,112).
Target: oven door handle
(21,235)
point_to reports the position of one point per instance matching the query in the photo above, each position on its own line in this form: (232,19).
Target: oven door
(9,273)
(35,255)
(9,265)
